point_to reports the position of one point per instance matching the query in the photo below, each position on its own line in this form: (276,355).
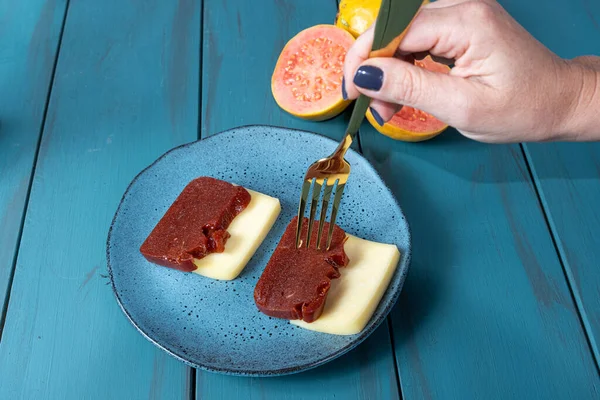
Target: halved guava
(410,124)
(308,75)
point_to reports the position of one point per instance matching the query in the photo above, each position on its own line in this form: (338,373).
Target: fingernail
(376,115)
(344,93)
(369,77)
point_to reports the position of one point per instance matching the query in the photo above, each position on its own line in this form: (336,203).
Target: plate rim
(281,371)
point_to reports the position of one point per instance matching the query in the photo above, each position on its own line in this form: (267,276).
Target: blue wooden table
(503,296)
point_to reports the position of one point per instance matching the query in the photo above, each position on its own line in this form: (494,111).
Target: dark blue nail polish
(377,117)
(344,93)
(369,77)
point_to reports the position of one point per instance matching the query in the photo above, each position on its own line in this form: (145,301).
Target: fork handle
(392,23)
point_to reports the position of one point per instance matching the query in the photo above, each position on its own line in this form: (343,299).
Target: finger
(399,82)
(382,111)
(440,60)
(434,30)
(419,56)
(444,3)
(358,52)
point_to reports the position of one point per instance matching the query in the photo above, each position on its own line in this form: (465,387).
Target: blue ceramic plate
(215,325)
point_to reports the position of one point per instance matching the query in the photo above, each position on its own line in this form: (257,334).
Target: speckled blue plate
(215,325)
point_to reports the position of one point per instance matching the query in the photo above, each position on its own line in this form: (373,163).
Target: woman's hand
(505,86)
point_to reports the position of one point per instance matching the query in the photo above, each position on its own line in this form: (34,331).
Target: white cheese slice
(248,229)
(354,296)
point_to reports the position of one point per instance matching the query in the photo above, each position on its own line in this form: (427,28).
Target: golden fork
(332,172)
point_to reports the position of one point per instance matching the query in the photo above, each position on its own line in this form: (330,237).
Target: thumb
(392,80)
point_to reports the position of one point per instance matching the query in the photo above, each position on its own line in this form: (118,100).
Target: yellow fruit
(356,16)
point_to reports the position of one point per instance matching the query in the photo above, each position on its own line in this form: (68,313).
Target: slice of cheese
(354,296)
(247,231)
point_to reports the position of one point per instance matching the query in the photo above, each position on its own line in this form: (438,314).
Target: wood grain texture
(236,90)
(486,312)
(126,90)
(29,36)
(568,175)
(366,372)
(239,53)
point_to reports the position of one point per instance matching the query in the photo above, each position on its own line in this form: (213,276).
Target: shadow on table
(432,251)
(367,368)
(472,161)
(433,178)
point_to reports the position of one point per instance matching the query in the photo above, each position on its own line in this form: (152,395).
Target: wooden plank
(568,175)
(29,36)
(366,372)
(485,311)
(238,63)
(126,90)
(236,90)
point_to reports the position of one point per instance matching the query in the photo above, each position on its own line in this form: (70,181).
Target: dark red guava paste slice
(196,223)
(295,282)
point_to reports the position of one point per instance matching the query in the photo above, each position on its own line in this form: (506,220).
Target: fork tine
(336,203)
(313,209)
(303,197)
(324,207)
